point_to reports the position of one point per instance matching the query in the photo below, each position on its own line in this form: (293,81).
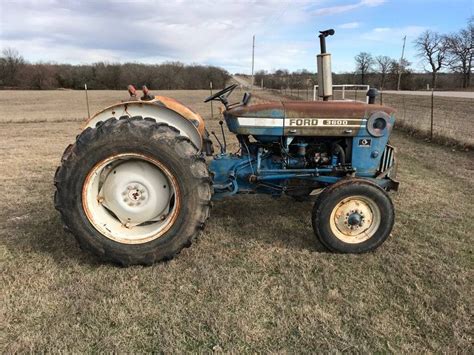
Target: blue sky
(220,32)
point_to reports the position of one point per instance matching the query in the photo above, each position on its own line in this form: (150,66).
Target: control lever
(223,135)
(218,141)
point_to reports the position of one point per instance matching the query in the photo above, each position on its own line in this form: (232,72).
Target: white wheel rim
(355,219)
(131,198)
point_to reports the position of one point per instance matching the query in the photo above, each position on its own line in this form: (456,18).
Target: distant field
(255,281)
(70,105)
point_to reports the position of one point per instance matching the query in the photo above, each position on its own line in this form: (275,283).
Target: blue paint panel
(366,159)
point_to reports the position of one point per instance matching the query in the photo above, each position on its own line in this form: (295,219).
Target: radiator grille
(387,160)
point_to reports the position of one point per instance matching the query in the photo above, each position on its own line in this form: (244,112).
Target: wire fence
(446,119)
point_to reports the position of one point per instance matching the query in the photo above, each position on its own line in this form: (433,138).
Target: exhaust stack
(324,67)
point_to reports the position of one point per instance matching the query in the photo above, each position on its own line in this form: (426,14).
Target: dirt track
(458,94)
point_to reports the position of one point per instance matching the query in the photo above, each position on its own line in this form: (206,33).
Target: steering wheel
(228,90)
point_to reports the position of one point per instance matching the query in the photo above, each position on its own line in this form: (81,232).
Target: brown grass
(256,280)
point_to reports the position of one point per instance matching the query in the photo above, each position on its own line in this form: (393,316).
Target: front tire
(353,216)
(133,191)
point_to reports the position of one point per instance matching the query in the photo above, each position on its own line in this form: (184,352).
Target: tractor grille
(387,160)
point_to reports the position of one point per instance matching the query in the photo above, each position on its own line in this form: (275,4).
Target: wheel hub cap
(352,219)
(355,219)
(136,192)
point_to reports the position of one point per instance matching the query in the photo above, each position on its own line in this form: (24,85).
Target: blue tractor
(137,185)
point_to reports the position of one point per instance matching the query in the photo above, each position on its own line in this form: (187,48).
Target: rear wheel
(353,216)
(133,191)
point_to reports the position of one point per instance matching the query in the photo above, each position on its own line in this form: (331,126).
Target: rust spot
(183,110)
(331,109)
(313,109)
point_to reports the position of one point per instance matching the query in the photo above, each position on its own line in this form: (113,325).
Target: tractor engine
(310,153)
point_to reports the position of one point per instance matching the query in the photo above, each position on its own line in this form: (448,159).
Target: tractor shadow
(40,231)
(241,219)
(281,222)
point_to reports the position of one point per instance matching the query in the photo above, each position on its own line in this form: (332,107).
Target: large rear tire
(353,216)
(133,191)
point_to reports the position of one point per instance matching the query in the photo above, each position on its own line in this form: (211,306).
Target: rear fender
(153,109)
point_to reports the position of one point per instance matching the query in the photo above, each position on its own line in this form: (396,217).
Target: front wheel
(353,216)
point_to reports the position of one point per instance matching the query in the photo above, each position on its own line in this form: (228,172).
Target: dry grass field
(255,281)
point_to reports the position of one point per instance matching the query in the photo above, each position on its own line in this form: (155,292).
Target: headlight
(377,123)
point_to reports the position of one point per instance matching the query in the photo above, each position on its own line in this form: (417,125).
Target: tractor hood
(296,118)
(312,109)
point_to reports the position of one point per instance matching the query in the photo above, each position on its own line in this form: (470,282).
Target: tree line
(16,72)
(447,58)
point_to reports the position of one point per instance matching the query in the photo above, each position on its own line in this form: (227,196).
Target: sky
(219,32)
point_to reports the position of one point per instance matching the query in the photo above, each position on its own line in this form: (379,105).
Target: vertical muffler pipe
(324,67)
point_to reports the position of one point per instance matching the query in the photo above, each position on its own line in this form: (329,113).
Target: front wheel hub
(355,219)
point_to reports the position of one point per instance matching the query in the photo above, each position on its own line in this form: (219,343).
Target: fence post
(87,102)
(307,94)
(212,108)
(432,113)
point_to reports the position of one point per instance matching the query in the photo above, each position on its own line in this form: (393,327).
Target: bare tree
(396,68)
(364,62)
(432,47)
(42,76)
(461,52)
(383,66)
(11,63)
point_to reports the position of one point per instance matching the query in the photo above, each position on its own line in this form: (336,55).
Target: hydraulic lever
(223,135)
(218,141)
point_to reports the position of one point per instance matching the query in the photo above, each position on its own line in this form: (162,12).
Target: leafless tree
(383,66)
(11,63)
(41,76)
(432,47)
(461,52)
(364,62)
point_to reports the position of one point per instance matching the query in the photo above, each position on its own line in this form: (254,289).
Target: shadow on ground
(260,219)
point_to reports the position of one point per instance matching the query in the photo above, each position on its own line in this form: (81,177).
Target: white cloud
(392,34)
(333,10)
(349,25)
(151,31)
